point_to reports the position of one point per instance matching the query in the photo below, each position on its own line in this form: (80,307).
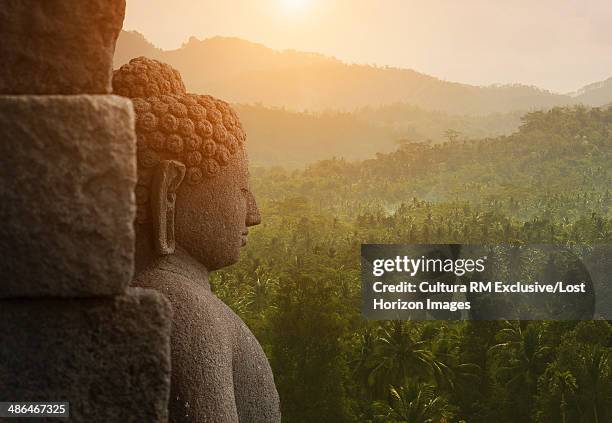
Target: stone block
(58,46)
(67,188)
(108,357)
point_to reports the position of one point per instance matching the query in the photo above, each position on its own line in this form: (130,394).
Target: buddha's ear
(166,180)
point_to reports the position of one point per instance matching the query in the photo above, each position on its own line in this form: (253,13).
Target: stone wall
(70,329)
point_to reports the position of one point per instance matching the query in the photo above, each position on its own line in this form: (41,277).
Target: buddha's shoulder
(190,300)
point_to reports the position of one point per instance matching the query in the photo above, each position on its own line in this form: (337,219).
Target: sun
(294,7)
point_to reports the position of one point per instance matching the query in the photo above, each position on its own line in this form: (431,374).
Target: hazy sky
(559,45)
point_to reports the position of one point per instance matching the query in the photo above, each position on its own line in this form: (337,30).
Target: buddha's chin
(215,259)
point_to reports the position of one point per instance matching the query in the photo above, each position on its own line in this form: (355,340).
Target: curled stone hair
(199,131)
(144,77)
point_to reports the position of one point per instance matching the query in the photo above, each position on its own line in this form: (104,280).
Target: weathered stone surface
(219,371)
(199,131)
(143,77)
(109,357)
(66,183)
(194,210)
(58,46)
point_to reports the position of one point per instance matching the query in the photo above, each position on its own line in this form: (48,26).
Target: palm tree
(521,354)
(365,341)
(415,403)
(565,383)
(260,292)
(398,355)
(446,351)
(526,349)
(597,378)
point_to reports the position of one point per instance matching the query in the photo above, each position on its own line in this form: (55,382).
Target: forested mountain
(243,72)
(595,94)
(132,44)
(564,155)
(297,284)
(293,139)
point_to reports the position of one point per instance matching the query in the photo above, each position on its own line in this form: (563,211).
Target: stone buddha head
(193,181)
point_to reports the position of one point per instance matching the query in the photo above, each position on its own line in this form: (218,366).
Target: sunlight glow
(294,7)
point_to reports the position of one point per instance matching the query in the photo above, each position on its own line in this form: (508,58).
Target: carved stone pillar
(70,329)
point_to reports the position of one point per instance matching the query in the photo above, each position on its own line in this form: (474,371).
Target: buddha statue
(194,208)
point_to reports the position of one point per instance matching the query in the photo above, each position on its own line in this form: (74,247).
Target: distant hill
(244,72)
(298,108)
(132,44)
(278,137)
(557,160)
(292,139)
(596,94)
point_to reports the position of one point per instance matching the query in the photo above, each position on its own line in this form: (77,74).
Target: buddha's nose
(253,217)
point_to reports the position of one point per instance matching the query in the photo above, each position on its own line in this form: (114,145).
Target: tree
(565,384)
(452,135)
(414,403)
(399,355)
